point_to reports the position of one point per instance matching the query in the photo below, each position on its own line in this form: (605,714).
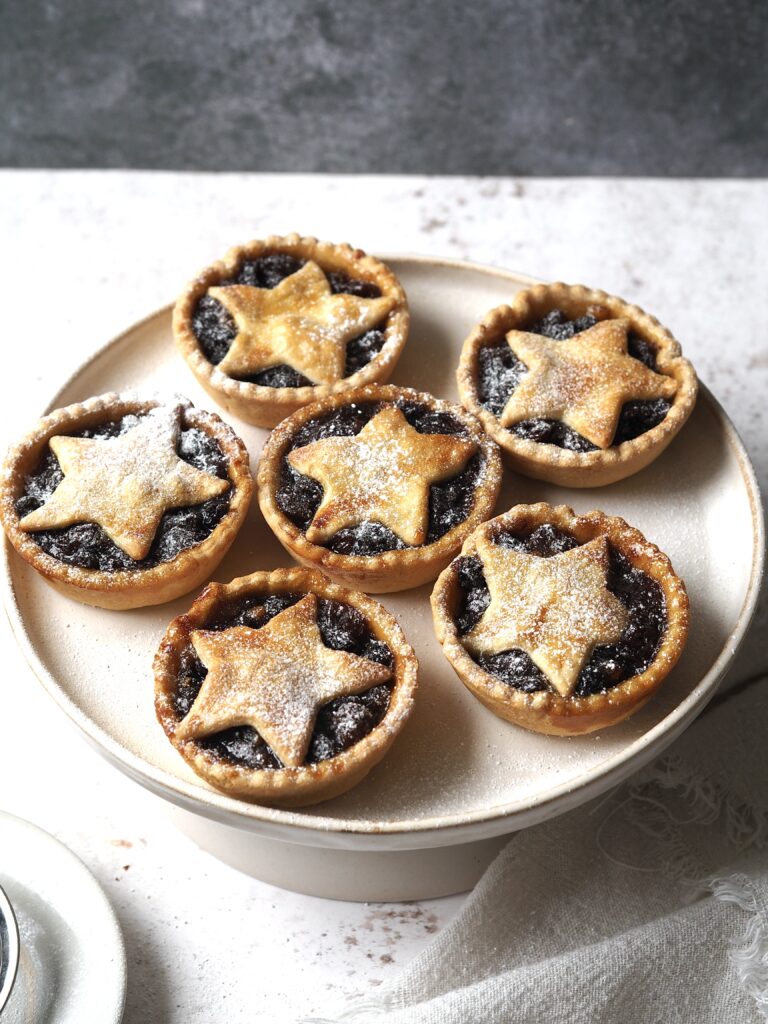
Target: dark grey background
(549,87)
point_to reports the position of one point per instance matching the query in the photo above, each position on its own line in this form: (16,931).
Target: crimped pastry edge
(547,461)
(390,570)
(264,406)
(308,784)
(547,711)
(132,588)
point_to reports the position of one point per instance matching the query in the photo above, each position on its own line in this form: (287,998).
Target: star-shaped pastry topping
(124,483)
(382,474)
(274,679)
(583,381)
(300,323)
(555,609)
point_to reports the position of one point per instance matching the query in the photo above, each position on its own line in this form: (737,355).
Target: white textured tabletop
(86,254)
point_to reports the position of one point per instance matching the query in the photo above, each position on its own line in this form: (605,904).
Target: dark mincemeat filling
(609,664)
(339,724)
(87,545)
(500,371)
(450,503)
(215,329)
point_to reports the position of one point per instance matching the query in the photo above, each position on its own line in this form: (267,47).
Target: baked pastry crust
(547,711)
(136,587)
(390,570)
(308,783)
(267,406)
(548,461)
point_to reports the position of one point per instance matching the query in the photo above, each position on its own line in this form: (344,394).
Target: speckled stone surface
(85,255)
(492,87)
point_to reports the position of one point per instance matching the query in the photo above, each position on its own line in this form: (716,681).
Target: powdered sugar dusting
(556,609)
(583,381)
(274,679)
(383,474)
(300,323)
(124,483)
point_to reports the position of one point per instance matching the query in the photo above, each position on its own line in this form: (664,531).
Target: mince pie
(282,322)
(378,487)
(283,688)
(578,387)
(123,500)
(560,623)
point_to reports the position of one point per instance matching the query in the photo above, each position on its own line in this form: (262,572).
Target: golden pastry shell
(547,711)
(264,406)
(548,461)
(310,783)
(390,570)
(132,588)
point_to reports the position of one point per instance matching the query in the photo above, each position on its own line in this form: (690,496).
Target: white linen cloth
(650,905)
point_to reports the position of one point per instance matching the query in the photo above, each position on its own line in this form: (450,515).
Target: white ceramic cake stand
(458,781)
